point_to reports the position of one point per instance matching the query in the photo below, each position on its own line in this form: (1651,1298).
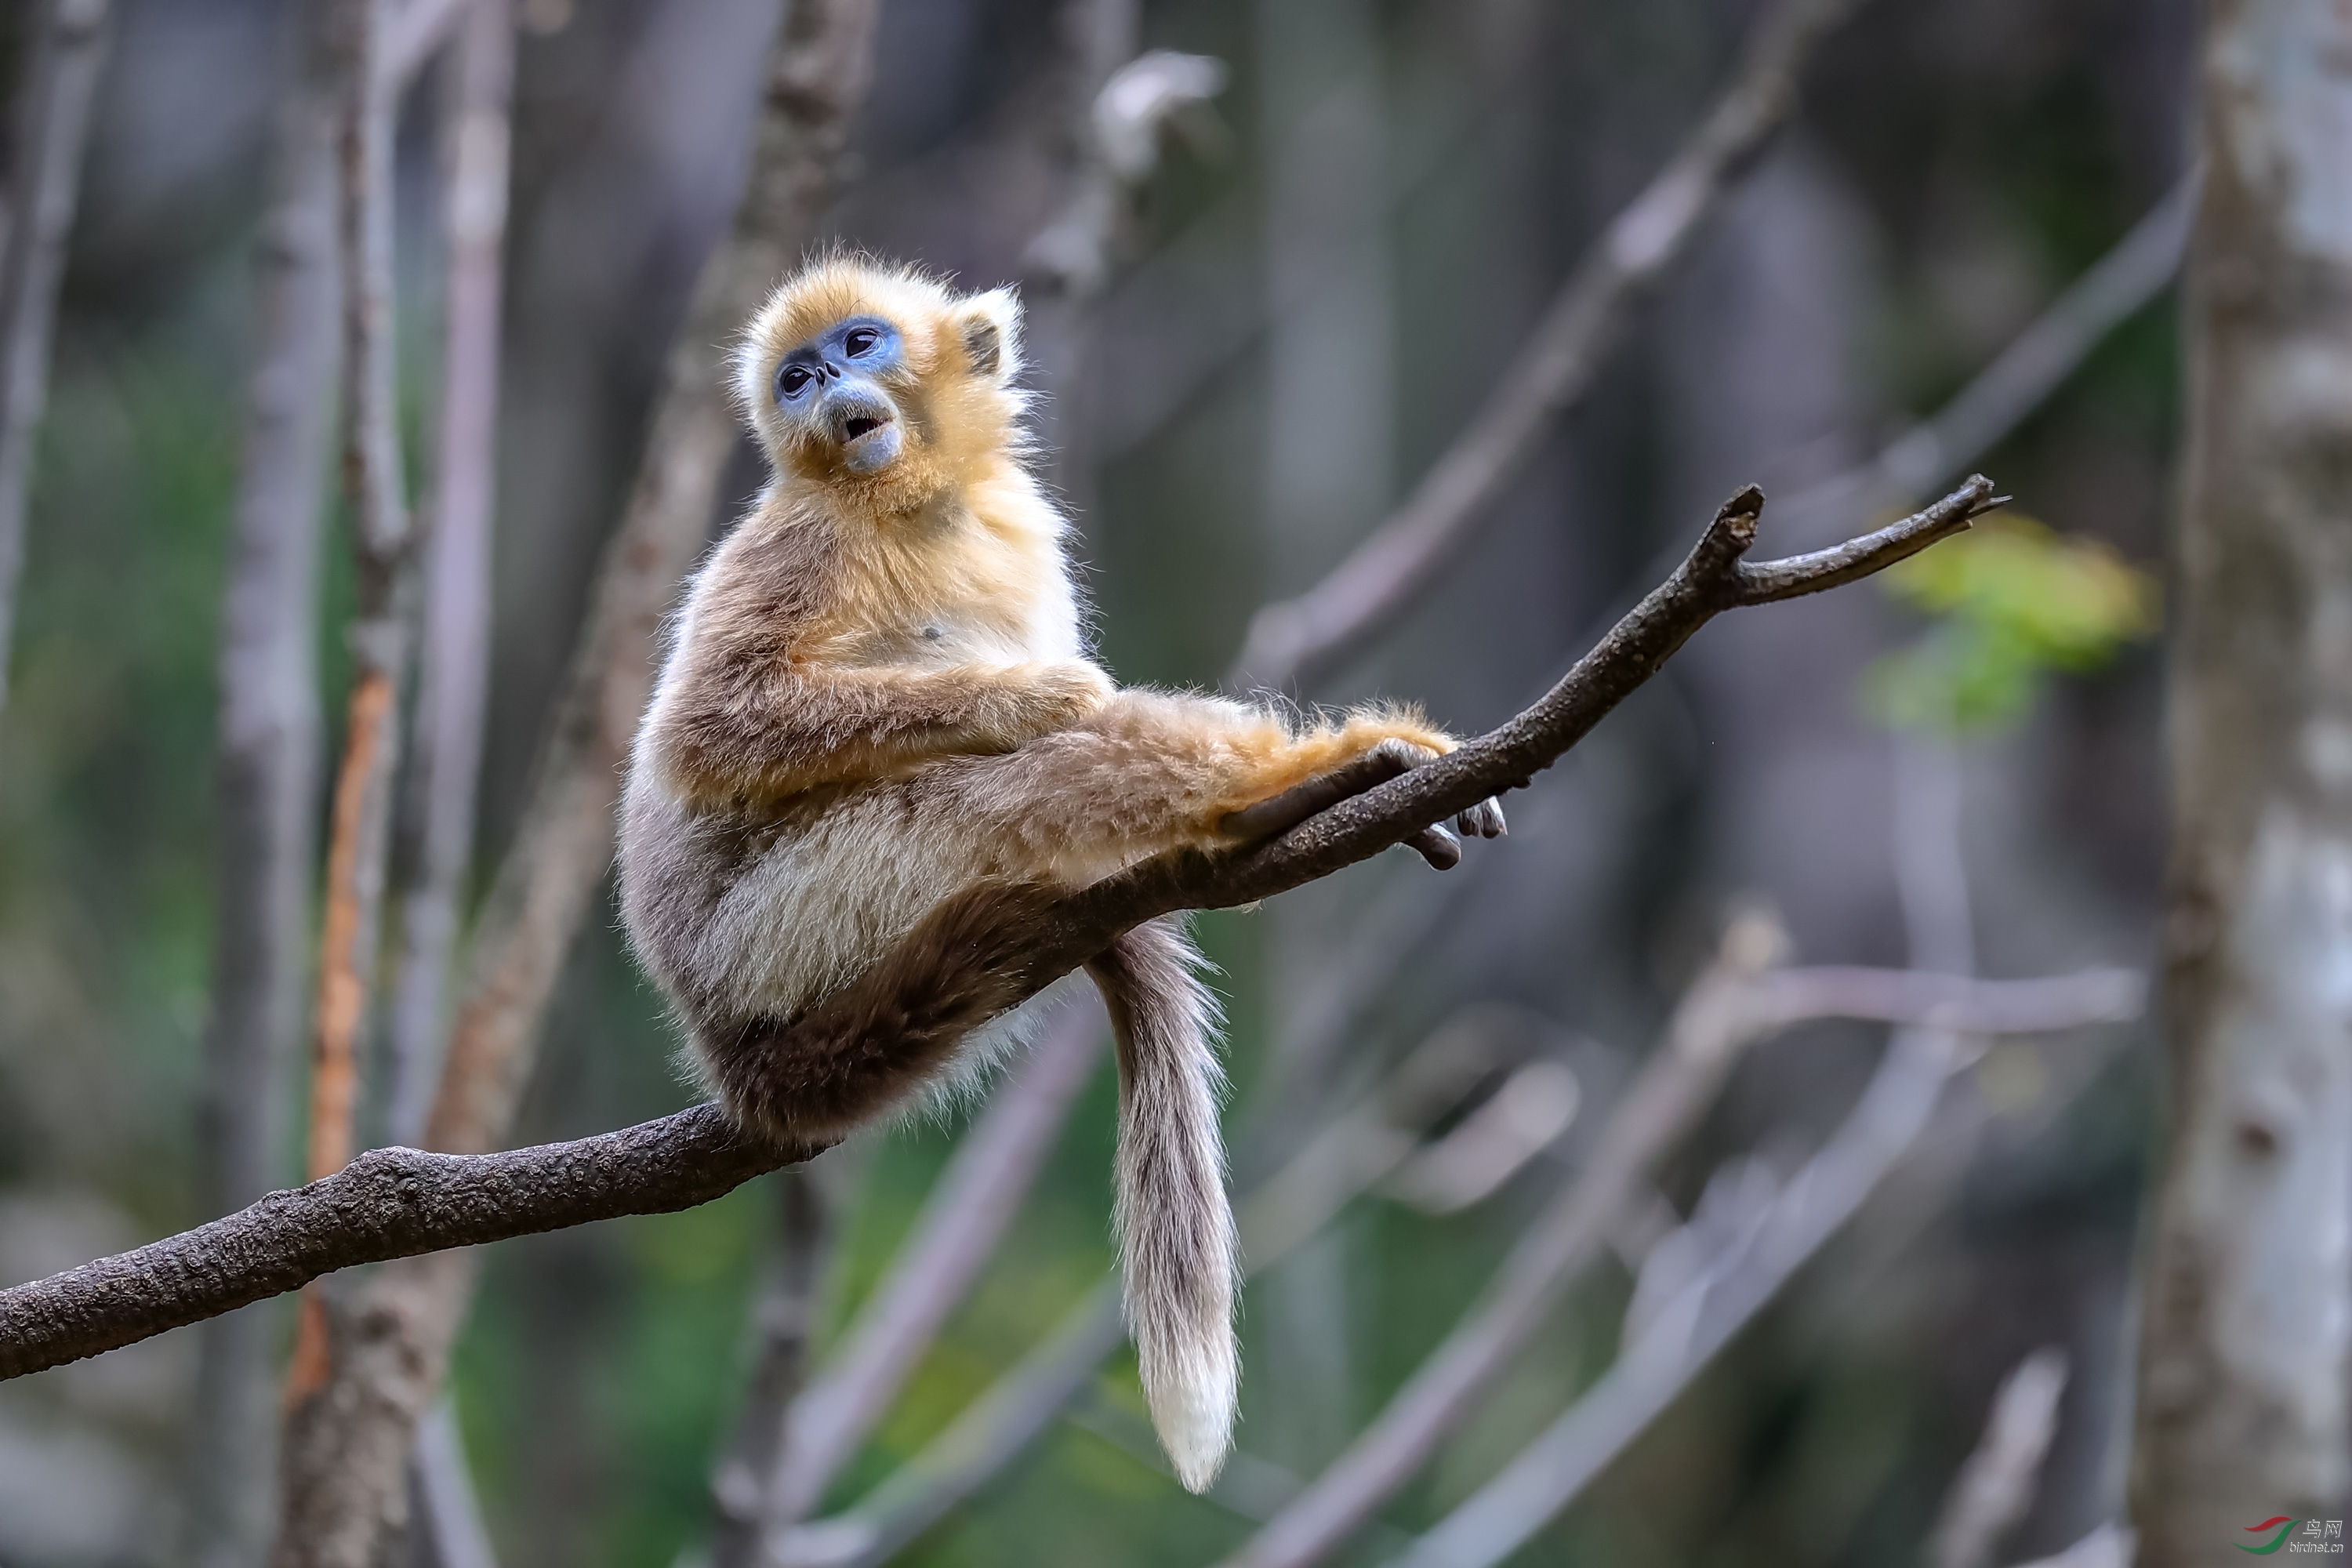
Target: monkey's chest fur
(765,910)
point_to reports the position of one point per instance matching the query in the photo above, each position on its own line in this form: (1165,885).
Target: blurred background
(1333,262)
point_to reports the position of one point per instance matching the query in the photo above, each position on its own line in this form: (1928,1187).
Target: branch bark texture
(60,85)
(2245,1360)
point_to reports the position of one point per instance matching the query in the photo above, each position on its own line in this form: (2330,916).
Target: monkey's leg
(1155,771)
(1435,844)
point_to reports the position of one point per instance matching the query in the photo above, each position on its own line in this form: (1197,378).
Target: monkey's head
(880,381)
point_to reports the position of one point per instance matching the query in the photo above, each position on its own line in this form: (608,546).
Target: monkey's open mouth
(859,426)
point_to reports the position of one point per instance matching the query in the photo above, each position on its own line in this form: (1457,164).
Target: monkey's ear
(989,327)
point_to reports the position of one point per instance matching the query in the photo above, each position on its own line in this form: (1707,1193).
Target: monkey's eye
(860,341)
(793,380)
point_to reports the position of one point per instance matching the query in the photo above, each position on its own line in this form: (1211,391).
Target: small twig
(971,1205)
(1684,1335)
(60,84)
(453,681)
(1299,639)
(267,772)
(1995,1486)
(1040,943)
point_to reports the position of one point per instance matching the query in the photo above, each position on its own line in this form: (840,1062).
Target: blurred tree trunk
(2248,1304)
(268,777)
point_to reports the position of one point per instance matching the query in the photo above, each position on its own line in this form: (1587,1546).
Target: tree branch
(1297,639)
(1025,954)
(387,1203)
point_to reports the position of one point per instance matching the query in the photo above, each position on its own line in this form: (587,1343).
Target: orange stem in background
(334,1069)
(343,995)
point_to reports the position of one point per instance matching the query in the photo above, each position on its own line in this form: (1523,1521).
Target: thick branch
(388,1203)
(1070,930)
(1298,638)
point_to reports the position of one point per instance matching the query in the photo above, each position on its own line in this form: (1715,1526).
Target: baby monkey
(877,704)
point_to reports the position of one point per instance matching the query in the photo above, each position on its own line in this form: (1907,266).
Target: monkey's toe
(1437,845)
(1484,820)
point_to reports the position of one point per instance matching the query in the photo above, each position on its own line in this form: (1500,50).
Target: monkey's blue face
(831,387)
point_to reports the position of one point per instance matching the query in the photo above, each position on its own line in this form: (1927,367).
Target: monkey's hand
(1382,761)
(1058,694)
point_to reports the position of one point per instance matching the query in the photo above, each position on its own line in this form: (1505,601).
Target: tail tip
(1195,1424)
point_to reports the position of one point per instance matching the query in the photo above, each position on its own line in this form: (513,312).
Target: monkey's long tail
(1175,1226)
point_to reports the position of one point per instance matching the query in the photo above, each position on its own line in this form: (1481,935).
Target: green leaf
(2009,602)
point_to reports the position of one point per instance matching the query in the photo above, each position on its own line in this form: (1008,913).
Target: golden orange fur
(876,709)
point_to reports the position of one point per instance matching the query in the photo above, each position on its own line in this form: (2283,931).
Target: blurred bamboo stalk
(1298,639)
(54,99)
(816,76)
(360,825)
(268,769)
(453,682)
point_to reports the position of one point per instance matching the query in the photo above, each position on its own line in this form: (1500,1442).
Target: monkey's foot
(1436,844)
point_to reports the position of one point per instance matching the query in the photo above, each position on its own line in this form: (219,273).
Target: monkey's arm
(770,732)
